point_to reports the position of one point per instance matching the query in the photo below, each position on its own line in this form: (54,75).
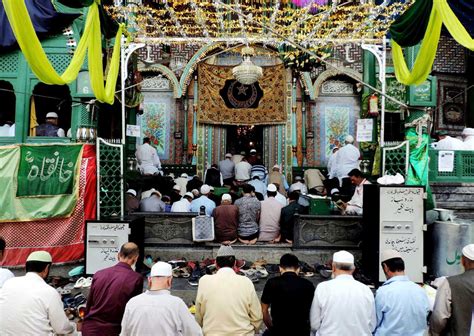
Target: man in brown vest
(453,308)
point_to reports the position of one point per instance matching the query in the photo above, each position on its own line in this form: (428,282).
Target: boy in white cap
(226,303)
(131,201)
(157,312)
(204,200)
(29,306)
(398,298)
(175,195)
(50,127)
(453,308)
(343,306)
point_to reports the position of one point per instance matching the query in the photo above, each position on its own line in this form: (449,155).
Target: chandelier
(247,73)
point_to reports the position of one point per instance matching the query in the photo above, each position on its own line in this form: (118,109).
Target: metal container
(448,240)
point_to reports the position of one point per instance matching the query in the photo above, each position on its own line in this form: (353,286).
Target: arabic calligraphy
(49,166)
(402,204)
(403,244)
(403,191)
(113,227)
(456,260)
(109,253)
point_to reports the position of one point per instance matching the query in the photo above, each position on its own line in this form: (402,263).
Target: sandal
(80,282)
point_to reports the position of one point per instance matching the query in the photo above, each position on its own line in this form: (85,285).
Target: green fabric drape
(91,40)
(418,164)
(408,30)
(440,13)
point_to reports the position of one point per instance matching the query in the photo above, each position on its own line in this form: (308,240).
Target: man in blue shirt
(401,305)
(203,200)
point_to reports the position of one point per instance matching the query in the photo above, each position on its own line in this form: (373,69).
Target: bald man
(110,291)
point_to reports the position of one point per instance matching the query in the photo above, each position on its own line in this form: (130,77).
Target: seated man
(147,158)
(270,217)
(355,206)
(184,205)
(249,215)
(287,217)
(314,181)
(226,221)
(153,203)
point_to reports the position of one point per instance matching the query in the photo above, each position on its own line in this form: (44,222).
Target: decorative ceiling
(268,22)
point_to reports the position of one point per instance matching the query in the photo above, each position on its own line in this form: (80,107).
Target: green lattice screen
(9,63)
(395,160)
(110,180)
(60,61)
(463,168)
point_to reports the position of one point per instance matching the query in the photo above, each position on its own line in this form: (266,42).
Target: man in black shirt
(290,298)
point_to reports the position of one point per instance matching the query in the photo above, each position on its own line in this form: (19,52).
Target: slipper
(261,272)
(87,283)
(80,282)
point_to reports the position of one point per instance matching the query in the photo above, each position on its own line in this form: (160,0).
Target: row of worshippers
(446,142)
(290,305)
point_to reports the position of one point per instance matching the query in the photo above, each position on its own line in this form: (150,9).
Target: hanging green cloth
(418,167)
(408,30)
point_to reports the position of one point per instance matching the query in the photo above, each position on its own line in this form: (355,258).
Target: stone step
(270,252)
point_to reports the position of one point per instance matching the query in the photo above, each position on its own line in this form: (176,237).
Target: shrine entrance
(244,138)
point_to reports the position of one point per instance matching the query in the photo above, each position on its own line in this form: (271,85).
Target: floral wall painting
(333,119)
(155,122)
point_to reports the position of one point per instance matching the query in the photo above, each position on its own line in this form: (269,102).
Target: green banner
(48,170)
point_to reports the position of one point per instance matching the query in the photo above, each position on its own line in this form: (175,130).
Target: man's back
(227,168)
(270,219)
(242,171)
(226,304)
(209,204)
(29,306)
(396,299)
(290,298)
(110,291)
(158,313)
(343,306)
(152,204)
(347,159)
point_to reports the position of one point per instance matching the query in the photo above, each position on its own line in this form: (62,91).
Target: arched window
(7,110)
(50,99)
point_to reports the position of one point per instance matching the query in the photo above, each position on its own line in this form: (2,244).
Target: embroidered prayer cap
(177,187)
(253,151)
(184,175)
(389,254)
(205,189)
(343,257)
(228,155)
(226,197)
(51,115)
(132,192)
(42,256)
(189,194)
(349,139)
(225,251)
(161,269)
(271,187)
(468,251)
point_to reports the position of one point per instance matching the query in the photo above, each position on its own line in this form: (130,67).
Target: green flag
(48,170)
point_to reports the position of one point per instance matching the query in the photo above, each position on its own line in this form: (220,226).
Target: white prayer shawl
(449,143)
(347,158)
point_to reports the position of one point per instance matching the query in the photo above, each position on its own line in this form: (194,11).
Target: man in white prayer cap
(468,137)
(347,158)
(343,305)
(50,127)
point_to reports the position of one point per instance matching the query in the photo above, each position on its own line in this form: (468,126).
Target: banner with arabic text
(47,170)
(21,209)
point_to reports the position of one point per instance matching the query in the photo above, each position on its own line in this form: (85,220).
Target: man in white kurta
(355,205)
(157,312)
(183,205)
(29,306)
(445,142)
(468,136)
(347,158)
(147,158)
(343,306)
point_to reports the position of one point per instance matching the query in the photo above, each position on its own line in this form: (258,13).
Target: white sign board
(445,161)
(401,227)
(133,131)
(365,129)
(103,242)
